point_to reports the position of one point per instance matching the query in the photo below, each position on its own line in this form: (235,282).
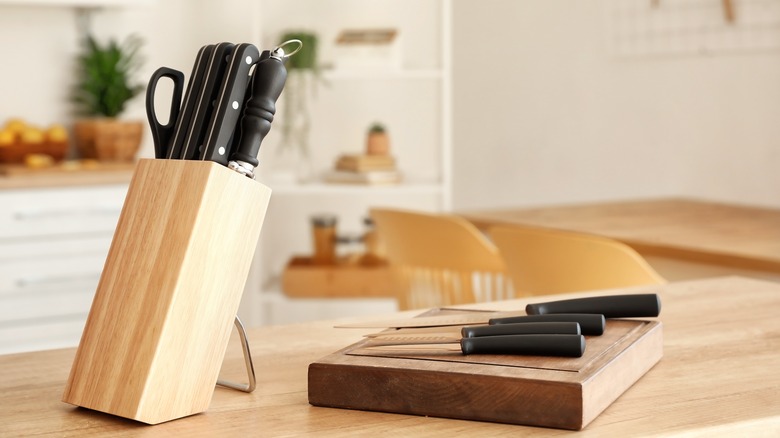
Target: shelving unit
(413,101)
(78,3)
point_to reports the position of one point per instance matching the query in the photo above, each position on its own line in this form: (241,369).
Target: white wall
(39,44)
(544,114)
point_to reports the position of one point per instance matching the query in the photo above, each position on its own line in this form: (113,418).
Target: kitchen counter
(718,376)
(104,174)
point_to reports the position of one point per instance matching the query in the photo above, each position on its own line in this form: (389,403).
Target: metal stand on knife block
(250,367)
(160,322)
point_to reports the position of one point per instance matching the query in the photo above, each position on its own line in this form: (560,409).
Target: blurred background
(486,104)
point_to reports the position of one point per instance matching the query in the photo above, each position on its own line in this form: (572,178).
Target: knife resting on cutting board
(617,306)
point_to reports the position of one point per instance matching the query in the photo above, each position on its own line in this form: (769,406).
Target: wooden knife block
(159,325)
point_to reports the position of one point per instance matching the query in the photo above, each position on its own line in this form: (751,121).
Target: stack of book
(364,169)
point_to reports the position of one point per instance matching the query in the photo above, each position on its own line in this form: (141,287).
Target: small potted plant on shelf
(377,141)
(103,88)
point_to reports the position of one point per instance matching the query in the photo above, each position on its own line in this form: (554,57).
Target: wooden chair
(440,260)
(545,261)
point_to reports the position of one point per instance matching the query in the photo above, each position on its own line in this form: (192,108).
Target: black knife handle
(267,84)
(188,104)
(615,306)
(227,105)
(531,345)
(527,328)
(162,134)
(213,64)
(590,323)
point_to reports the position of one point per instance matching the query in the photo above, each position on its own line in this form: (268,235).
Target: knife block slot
(161,318)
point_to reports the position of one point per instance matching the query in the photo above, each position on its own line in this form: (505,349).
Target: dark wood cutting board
(566,393)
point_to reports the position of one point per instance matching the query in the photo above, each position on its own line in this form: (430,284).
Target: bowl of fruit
(19,140)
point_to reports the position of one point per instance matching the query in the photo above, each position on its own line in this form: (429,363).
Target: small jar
(324,236)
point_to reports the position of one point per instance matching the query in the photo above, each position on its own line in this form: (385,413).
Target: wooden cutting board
(566,393)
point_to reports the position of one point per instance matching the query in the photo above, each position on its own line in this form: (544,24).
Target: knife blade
(203,107)
(268,81)
(530,345)
(433,321)
(228,105)
(531,328)
(611,306)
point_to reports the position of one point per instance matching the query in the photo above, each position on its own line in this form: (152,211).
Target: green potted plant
(103,87)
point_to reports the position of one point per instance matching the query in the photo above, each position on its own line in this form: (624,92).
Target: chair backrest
(546,261)
(440,259)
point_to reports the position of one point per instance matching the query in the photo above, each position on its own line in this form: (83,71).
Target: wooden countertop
(718,376)
(16,177)
(708,232)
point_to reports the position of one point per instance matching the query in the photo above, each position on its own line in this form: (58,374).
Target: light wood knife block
(159,325)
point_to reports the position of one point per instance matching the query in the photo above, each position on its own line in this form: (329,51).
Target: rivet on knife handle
(268,81)
(532,345)
(615,306)
(590,323)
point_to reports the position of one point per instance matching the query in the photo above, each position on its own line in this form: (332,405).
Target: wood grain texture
(155,337)
(708,232)
(718,377)
(564,393)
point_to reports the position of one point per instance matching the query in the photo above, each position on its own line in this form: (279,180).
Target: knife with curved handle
(268,81)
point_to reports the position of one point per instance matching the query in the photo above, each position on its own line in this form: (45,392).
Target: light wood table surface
(718,377)
(682,238)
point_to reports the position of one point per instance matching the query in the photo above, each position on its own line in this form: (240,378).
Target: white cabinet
(53,244)
(412,101)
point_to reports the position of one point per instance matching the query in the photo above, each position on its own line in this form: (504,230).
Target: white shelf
(321,188)
(384,74)
(412,99)
(78,3)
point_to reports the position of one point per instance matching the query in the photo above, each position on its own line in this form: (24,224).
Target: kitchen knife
(613,306)
(216,65)
(188,105)
(228,104)
(433,321)
(531,328)
(268,81)
(247,96)
(590,323)
(532,345)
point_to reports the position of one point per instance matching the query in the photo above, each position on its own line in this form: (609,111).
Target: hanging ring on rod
(278,49)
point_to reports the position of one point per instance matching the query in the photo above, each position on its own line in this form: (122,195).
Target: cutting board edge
(637,359)
(523,406)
